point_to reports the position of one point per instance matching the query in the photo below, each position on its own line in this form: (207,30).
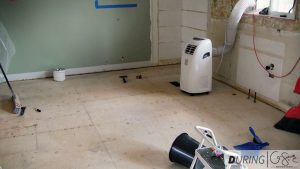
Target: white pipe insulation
(232,26)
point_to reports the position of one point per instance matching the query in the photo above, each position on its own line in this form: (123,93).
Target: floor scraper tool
(7,50)
(18,108)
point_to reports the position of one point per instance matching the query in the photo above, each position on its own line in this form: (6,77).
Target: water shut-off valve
(270,67)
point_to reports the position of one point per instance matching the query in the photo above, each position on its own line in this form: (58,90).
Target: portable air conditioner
(196,67)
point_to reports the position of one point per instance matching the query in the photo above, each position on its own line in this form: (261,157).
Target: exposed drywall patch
(221,8)
(251,75)
(264,45)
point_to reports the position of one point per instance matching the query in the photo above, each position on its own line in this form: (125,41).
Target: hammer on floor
(124,78)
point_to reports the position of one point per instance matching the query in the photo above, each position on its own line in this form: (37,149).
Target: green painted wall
(72,33)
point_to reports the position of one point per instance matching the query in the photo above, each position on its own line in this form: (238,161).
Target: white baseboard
(76,71)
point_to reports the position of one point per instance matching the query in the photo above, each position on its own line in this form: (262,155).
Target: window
(277,8)
(261,4)
(285,6)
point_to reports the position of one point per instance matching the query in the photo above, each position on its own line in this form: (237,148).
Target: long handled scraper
(18,108)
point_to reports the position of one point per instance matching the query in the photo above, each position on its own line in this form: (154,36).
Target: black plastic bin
(183,150)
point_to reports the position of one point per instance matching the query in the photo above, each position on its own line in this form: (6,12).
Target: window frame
(275,14)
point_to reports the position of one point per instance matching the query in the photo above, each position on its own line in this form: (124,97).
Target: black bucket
(183,150)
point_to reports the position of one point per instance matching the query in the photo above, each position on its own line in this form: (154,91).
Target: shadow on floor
(149,155)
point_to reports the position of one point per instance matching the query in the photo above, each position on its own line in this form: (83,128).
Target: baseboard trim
(169,61)
(77,71)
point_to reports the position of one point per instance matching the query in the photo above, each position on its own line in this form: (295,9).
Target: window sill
(273,15)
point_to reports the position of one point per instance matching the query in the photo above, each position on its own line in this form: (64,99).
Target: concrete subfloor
(95,121)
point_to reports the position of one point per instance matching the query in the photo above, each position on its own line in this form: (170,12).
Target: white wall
(194,19)
(179,22)
(169,29)
(278,47)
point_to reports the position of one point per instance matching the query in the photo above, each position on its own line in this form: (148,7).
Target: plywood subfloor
(95,121)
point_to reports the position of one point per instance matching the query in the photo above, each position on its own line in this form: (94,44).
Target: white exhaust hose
(232,26)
